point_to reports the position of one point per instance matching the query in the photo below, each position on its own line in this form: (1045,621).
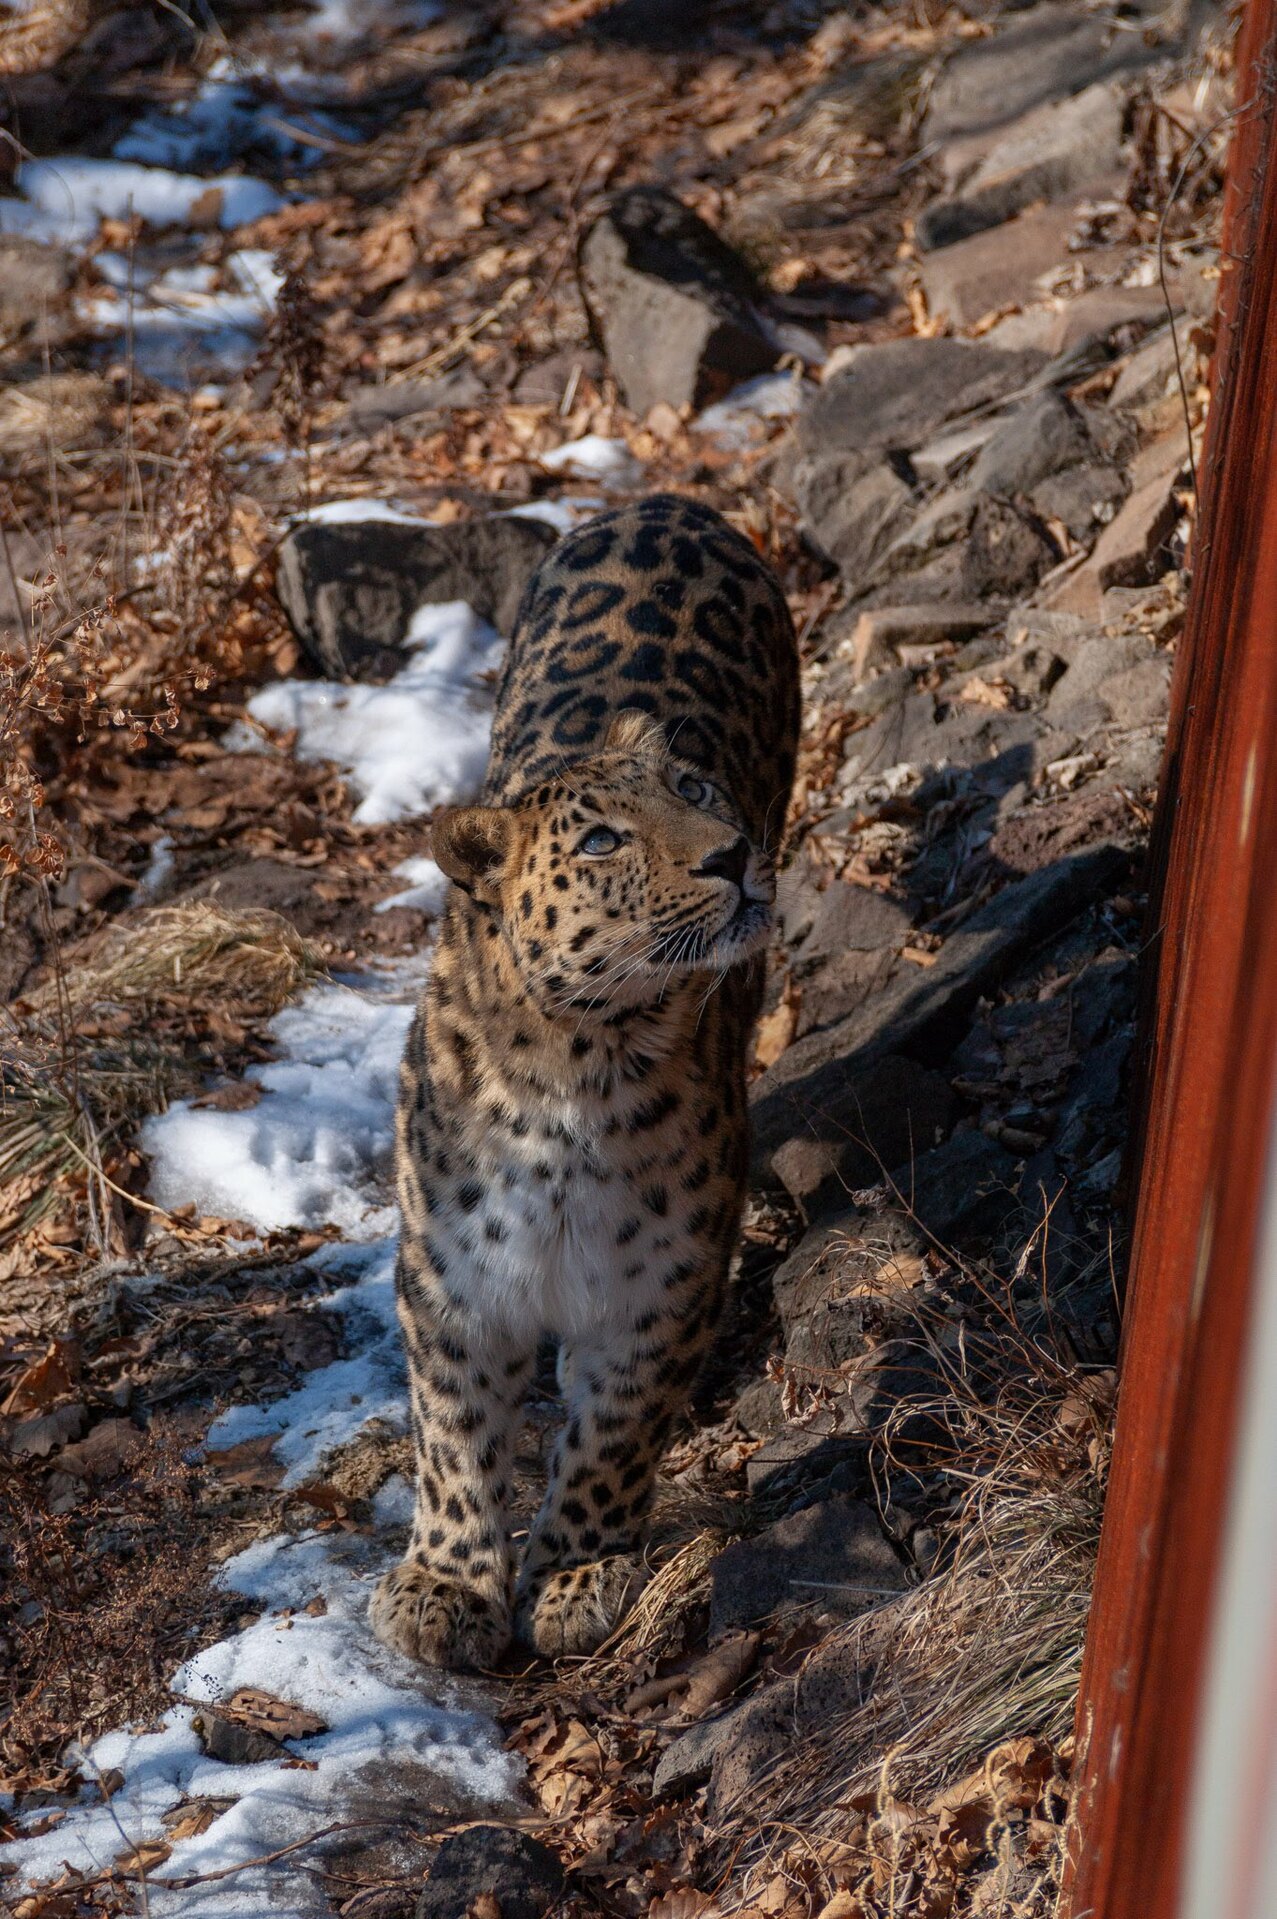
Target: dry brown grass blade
(78,1073)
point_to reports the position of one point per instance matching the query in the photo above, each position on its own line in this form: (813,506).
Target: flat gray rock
(832,1556)
(899,393)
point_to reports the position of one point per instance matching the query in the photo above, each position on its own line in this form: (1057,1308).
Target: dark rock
(815,1093)
(350,588)
(836,1286)
(1055,151)
(545,382)
(687,1761)
(234,1744)
(1149,373)
(965,1188)
(1040,438)
(965,546)
(1080,496)
(1047,52)
(817,1464)
(523,1875)
(881,1112)
(899,393)
(838,917)
(761,1744)
(832,1556)
(676,311)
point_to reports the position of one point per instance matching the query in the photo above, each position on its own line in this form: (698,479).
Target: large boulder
(524,1876)
(351,587)
(676,311)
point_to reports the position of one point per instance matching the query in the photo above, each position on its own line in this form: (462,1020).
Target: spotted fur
(572,1132)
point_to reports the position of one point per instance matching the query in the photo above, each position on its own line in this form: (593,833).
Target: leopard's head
(614,879)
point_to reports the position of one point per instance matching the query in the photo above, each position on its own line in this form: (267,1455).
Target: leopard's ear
(639,734)
(470,844)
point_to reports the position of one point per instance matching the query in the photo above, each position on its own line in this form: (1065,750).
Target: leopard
(572,1139)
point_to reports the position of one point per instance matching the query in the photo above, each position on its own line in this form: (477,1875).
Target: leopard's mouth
(744,932)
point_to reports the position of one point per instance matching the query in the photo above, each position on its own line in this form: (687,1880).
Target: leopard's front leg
(583,1568)
(448,1601)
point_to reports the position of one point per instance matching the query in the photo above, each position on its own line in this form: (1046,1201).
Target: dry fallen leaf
(264,1713)
(45,1380)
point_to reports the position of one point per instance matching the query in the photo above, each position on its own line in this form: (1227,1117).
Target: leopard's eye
(694,791)
(600,840)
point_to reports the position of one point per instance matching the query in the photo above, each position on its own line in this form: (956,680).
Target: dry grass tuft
(80,1070)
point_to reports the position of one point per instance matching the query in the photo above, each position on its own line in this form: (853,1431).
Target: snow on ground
(417,742)
(183,327)
(63,200)
(352,512)
(595,458)
(309,1152)
(428,884)
(741,416)
(223,120)
(399,1740)
(395,1737)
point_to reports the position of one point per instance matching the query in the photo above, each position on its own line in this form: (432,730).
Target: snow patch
(309,1152)
(389,1744)
(418,742)
(740,418)
(64,200)
(427,892)
(352,512)
(595,458)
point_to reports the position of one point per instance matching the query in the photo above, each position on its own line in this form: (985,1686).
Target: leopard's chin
(745,934)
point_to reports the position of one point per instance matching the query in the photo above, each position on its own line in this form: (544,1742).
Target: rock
(1141,695)
(818,1463)
(821,920)
(687,1761)
(814,1094)
(850,505)
(1149,373)
(545,382)
(34,282)
(350,588)
(877,1114)
(843,1288)
(762,1736)
(1042,437)
(832,1556)
(378,406)
(965,1188)
(677,312)
(524,1876)
(1047,52)
(1092,319)
(1132,548)
(972,278)
(899,393)
(1052,153)
(233,1743)
(967,545)
(879,633)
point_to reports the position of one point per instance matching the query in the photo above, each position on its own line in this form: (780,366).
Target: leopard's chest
(582,1205)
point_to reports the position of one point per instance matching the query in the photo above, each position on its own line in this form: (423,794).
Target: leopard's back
(665,608)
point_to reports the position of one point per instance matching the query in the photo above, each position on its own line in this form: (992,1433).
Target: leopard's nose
(727,862)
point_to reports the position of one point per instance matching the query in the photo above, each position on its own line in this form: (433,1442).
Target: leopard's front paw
(576,1609)
(434,1619)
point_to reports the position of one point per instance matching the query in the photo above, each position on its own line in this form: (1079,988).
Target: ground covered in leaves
(848,1689)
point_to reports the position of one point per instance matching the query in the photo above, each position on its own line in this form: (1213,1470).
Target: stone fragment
(350,588)
(831,1557)
(524,1876)
(373,407)
(1149,373)
(966,1187)
(877,1114)
(843,1288)
(880,632)
(816,1462)
(687,1760)
(851,504)
(972,278)
(899,393)
(233,1743)
(1133,547)
(677,312)
(1052,153)
(1043,436)
(1047,52)
(1090,319)
(813,1095)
